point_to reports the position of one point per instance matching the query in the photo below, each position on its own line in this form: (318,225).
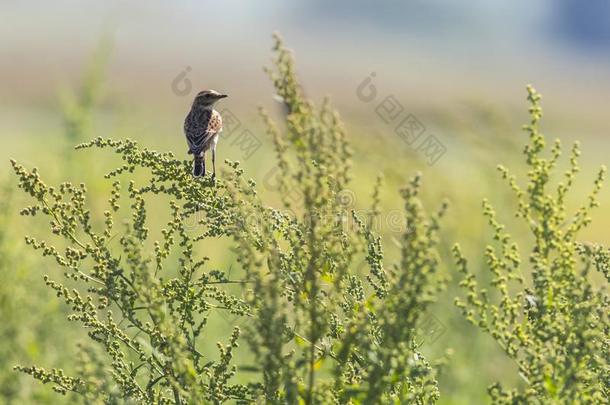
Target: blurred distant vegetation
(34,326)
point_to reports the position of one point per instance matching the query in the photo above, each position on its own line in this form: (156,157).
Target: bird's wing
(200,130)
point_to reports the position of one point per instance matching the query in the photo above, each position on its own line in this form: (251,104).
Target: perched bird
(202,126)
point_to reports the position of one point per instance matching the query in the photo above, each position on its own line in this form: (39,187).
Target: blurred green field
(477,135)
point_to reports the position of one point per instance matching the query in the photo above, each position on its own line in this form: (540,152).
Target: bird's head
(207,98)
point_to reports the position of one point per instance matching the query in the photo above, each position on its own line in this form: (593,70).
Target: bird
(202,126)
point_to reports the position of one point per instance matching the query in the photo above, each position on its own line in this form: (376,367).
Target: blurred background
(454,74)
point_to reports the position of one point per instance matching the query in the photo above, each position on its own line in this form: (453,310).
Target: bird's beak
(222,96)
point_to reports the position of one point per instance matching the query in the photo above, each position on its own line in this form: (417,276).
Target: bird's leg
(203,164)
(214,162)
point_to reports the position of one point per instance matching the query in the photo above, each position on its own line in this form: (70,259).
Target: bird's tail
(198,166)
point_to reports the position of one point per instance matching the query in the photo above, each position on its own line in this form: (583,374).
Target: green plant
(319,331)
(554,325)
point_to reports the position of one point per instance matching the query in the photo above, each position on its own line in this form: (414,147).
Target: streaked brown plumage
(202,126)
